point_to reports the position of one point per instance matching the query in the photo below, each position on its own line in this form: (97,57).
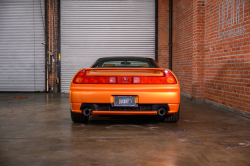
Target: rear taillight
(168,78)
(81,78)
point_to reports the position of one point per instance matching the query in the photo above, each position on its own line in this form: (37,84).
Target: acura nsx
(124,86)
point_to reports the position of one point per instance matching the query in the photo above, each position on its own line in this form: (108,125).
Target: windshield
(133,62)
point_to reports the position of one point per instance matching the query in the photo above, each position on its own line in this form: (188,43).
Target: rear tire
(171,118)
(78,118)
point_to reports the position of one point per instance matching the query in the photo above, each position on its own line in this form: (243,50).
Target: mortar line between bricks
(127,137)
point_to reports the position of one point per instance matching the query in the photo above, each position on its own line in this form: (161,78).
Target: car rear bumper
(96,96)
(142,109)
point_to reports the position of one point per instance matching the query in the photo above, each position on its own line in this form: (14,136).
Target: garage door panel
(92,29)
(22,53)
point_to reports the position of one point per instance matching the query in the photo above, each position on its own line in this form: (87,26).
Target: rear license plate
(125,101)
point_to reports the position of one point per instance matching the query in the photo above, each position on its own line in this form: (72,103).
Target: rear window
(133,62)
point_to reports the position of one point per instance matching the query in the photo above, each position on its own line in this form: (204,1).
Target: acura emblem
(124,79)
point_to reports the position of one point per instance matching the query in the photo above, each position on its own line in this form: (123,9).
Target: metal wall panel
(91,29)
(21,51)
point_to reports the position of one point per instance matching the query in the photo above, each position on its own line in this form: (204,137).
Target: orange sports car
(124,86)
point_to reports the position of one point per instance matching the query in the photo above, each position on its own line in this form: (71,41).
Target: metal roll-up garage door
(98,28)
(22,55)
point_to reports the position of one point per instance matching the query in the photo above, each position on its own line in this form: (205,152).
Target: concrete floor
(36,129)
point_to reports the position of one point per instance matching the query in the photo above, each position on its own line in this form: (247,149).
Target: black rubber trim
(109,107)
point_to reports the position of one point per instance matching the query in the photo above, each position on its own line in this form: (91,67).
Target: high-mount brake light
(81,78)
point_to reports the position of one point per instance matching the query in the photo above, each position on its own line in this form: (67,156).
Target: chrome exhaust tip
(86,112)
(162,112)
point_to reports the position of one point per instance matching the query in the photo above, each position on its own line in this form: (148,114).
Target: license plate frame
(125,101)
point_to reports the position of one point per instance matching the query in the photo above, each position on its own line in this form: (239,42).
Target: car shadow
(116,119)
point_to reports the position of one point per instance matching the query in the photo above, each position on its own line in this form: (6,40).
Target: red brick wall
(227,65)
(163,32)
(210,65)
(52,40)
(182,43)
